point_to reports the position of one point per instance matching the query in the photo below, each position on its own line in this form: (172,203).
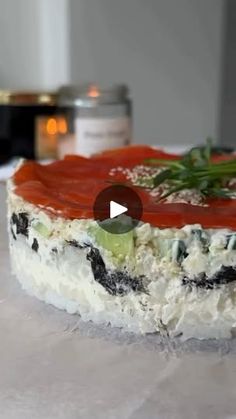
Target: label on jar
(95,135)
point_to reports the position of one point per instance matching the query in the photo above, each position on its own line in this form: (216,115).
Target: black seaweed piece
(35,245)
(14,218)
(117,282)
(74,243)
(22,223)
(13,234)
(224,276)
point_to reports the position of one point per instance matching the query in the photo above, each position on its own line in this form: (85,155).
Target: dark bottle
(19,112)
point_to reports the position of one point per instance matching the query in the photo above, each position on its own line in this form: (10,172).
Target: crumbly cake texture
(175,281)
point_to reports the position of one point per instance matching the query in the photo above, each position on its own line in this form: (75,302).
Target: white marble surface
(51,366)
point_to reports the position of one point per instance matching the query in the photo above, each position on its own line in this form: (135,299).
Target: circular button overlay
(118,209)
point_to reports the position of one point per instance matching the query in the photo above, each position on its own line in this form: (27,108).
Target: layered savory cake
(175,273)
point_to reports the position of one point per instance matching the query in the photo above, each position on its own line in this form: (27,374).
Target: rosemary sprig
(195,171)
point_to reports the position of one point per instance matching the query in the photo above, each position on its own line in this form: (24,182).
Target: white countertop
(51,366)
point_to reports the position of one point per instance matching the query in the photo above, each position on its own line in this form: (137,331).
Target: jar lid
(90,94)
(8,97)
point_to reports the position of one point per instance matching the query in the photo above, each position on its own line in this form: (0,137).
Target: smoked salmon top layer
(68,188)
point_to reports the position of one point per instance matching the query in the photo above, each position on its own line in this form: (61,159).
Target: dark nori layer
(224,276)
(35,245)
(117,282)
(22,223)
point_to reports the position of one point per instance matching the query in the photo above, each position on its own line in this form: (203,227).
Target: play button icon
(117,209)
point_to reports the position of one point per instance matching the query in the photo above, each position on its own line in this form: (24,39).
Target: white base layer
(200,314)
(86,298)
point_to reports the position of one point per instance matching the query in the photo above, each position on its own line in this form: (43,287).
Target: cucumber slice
(165,247)
(178,251)
(202,237)
(120,245)
(42,229)
(231,242)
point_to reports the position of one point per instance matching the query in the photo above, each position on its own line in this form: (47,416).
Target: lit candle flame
(93,91)
(51,126)
(62,126)
(55,126)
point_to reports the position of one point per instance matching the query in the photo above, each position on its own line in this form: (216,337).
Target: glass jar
(97,118)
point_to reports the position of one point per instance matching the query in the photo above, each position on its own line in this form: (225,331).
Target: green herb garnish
(195,171)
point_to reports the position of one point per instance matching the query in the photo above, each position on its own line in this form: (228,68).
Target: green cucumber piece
(120,245)
(202,237)
(42,229)
(178,251)
(231,242)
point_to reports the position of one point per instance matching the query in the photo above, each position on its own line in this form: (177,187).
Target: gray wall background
(167,51)
(34,47)
(228,96)
(19,62)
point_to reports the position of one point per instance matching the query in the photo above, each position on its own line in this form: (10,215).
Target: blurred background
(178,58)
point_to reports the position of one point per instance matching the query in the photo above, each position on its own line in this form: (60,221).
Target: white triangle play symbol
(116,209)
